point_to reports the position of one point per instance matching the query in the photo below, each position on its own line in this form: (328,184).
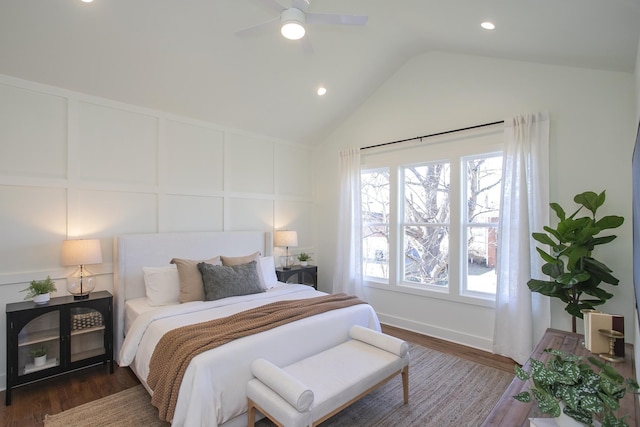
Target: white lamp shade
(81,252)
(285,238)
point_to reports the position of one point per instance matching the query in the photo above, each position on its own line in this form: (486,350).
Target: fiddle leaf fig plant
(573,271)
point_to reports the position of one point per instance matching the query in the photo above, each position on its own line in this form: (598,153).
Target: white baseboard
(480,343)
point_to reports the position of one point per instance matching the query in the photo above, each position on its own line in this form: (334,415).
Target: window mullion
(395,226)
(455,226)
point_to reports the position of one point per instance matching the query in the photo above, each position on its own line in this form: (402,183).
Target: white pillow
(162,285)
(267,270)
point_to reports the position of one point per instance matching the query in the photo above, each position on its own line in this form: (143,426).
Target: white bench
(311,390)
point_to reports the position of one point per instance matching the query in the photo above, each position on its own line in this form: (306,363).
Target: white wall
(78,166)
(592,134)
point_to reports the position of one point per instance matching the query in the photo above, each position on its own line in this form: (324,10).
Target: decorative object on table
(40,290)
(286,239)
(569,264)
(304,257)
(39,355)
(596,342)
(612,336)
(81,252)
(86,318)
(565,379)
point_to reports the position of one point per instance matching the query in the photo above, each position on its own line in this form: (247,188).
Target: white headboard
(131,252)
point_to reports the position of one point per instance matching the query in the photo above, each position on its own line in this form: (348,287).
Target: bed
(212,392)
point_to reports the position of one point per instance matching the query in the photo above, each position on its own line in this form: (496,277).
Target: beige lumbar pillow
(191,285)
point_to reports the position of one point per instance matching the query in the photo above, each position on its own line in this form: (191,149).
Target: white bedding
(133,309)
(213,387)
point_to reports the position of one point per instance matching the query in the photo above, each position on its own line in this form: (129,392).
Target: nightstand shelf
(75,334)
(307,275)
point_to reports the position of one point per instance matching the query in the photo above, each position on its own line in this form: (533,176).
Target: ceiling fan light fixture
(292,21)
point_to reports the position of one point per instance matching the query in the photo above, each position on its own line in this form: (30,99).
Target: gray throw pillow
(228,281)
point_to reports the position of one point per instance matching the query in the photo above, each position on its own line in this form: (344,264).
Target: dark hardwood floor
(31,402)
(461,351)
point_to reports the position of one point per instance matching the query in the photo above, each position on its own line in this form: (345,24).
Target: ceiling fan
(293,19)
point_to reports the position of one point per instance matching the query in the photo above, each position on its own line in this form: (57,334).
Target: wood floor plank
(31,402)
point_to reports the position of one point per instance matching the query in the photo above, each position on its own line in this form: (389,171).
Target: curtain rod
(433,134)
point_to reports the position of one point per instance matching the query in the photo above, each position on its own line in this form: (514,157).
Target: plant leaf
(547,403)
(543,238)
(546,257)
(521,374)
(523,396)
(571,279)
(590,200)
(609,221)
(558,210)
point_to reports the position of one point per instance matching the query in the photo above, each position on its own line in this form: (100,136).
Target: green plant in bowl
(39,287)
(38,351)
(585,393)
(303,257)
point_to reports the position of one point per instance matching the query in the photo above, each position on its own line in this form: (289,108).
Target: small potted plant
(304,258)
(567,386)
(40,290)
(39,355)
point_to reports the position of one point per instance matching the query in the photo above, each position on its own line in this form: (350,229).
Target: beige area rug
(444,390)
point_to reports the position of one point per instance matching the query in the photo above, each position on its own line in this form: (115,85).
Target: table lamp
(286,239)
(81,252)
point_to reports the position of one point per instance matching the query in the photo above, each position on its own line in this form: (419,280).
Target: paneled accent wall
(72,165)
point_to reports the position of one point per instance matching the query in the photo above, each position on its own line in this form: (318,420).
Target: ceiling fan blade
(335,19)
(257,29)
(303,5)
(306,46)
(271,6)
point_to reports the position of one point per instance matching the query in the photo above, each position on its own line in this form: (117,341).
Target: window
(483,176)
(425,228)
(432,225)
(375,223)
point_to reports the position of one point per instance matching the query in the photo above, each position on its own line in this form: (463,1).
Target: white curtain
(347,275)
(522,316)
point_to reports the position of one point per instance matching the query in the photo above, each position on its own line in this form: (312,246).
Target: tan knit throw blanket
(177,347)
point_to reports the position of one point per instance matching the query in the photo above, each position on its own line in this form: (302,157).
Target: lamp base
(85,296)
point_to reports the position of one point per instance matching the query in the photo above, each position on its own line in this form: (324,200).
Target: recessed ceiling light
(87,1)
(488,25)
(321,91)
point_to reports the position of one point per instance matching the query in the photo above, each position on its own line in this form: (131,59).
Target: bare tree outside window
(375,222)
(483,190)
(426,223)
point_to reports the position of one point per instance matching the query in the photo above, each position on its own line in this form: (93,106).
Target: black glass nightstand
(307,275)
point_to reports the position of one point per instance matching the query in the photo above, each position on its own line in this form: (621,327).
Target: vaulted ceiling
(184,56)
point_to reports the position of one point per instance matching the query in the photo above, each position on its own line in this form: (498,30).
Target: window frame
(451,148)
(403,224)
(466,225)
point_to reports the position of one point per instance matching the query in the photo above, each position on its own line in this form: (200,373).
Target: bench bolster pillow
(286,385)
(385,342)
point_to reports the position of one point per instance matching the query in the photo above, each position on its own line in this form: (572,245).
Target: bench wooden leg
(405,383)
(251,414)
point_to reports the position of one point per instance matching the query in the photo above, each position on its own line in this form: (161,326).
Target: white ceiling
(183,56)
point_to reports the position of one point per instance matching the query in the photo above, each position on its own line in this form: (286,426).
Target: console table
(508,412)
